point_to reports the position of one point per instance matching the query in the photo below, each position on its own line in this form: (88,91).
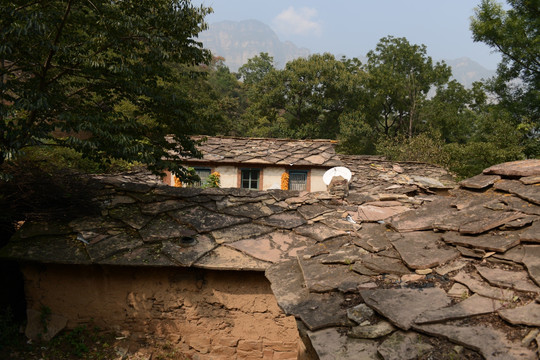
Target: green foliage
(400,75)
(213,181)
(425,147)
(309,96)
(256,69)
(68,67)
(515,34)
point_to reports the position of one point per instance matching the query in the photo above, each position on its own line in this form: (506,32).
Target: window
(203,173)
(298,180)
(250,179)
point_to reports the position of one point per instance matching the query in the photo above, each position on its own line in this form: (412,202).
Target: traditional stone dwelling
(259,163)
(399,269)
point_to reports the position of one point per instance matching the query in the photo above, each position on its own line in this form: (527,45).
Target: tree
(69,67)
(307,98)
(399,77)
(256,68)
(516,35)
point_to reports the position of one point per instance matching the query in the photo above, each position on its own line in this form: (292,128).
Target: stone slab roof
(266,151)
(398,270)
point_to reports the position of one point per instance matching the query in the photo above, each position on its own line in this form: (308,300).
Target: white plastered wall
(228,177)
(317,183)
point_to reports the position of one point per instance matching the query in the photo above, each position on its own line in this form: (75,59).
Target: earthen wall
(206,314)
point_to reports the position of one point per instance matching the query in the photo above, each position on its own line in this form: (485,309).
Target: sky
(353,27)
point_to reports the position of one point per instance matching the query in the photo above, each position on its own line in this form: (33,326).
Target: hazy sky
(353,27)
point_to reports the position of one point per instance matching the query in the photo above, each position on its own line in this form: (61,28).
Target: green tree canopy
(515,34)
(256,68)
(71,66)
(306,99)
(400,75)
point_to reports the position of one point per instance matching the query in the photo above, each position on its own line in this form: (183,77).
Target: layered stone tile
(404,346)
(272,247)
(523,315)
(530,193)
(480,181)
(532,233)
(318,231)
(391,302)
(225,258)
(423,250)
(321,277)
(531,259)
(424,217)
(204,220)
(371,212)
(186,251)
(285,220)
(517,280)
(474,305)
(529,167)
(476,285)
(316,311)
(162,228)
(490,342)
(383,265)
(500,242)
(330,344)
(239,232)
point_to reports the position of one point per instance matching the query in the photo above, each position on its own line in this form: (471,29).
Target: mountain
(467,71)
(238,41)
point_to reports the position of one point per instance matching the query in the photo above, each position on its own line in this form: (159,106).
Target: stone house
(398,269)
(258,163)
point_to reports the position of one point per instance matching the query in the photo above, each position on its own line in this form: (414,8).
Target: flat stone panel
(184,254)
(204,220)
(330,344)
(517,280)
(315,310)
(391,302)
(372,213)
(529,167)
(284,220)
(318,231)
(384,265)
(112,245)
(531,193)
(225,258)
(531,259)
(163,228)
(532,233)
(500,242)
(424,249)
(478,286)
(480,181)
(523,315)
(490,342)
(474,305)
(424,217)
(322,278)
(404,346)
(242,231)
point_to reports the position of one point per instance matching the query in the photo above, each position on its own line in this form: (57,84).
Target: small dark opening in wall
(187,241)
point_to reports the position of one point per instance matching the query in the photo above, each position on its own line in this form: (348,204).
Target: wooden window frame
(260,182)
(308,177)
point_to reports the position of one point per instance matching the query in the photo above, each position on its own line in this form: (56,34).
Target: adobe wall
(317,183)
(208,314)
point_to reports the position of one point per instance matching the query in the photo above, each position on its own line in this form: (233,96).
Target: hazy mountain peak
(238,41)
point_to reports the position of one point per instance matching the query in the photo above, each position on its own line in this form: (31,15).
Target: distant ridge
(467,71)
(238,41)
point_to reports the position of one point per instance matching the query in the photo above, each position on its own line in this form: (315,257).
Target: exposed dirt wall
(207,314)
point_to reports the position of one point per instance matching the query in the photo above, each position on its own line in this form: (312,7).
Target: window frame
(299,171)
(250,180)
(199,184)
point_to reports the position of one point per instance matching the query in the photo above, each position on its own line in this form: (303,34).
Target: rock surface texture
(441,271)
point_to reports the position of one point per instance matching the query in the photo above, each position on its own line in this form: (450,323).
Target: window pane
(297,180)
(250,178)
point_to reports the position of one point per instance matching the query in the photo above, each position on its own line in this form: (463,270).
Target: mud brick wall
(205,314)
